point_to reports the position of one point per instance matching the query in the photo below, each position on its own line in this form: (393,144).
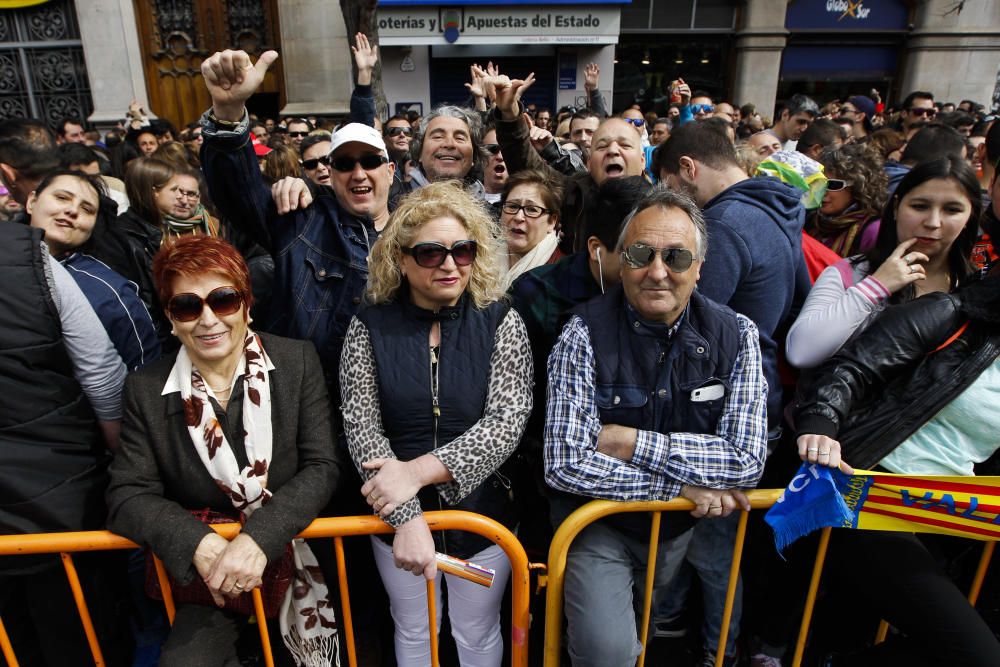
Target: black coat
(157,476)
(882,386)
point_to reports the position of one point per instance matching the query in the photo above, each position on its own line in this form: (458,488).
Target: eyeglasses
(848,110)
(432,255)
(530,210)
(396,131)
(189,194)
(492,149)
(188,307)
(923,111)
(638,122)
(298,134)
(345,163)
(315,162)
(837,184)
(702,108)
(639,255)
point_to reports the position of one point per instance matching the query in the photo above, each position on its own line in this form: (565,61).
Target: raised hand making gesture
(365,57)
(509,92)
(231,78)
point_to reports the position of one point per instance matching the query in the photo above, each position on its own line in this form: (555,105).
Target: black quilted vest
(645,380)
(399,335)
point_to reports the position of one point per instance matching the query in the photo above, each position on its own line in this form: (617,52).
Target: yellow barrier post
(265,639)
(817,574)
(165,590)
(432,622)
(81,608)
(984,564)
(6,648)
(654,544)
(734,578)
(345,602)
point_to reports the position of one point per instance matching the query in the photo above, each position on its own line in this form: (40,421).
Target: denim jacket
(320,253)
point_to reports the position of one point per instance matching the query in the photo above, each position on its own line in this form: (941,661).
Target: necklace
(216,391)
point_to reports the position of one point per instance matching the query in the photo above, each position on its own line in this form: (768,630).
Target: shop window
(714,14)
(672,15)
(635,16)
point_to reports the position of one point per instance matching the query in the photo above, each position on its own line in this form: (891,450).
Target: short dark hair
(74,154)
(916,95)
(956,119)
(30,159)
(615,200)
(299,121)
(311,140)
(933,141)
(993,144)
(703,142)
(398,117)
(30,130)
(799,103)
(583,114)
(63,122)
(702,93)
(959,264)
(822,131)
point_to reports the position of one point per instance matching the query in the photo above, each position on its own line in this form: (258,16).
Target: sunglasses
(433,255)
(847,110)
(315,162)
(638,122)
(530,210)
(187,307)
(396,131)
(702,108)
(298,134)
(639,255)
(368,162)
(837,184)
(923,111)
(492,149)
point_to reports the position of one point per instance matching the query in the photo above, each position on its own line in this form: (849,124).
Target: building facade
(91,58)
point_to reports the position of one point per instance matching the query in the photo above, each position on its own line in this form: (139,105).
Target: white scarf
(310,636)
(534,258)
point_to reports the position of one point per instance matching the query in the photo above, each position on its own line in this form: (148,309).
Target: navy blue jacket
(117,304)
(755,264)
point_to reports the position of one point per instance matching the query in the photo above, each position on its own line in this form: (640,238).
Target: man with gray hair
(447,145)
(654,391)
(796,115)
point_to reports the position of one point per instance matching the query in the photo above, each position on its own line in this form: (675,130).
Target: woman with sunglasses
(924,243)
(847,222)
(529,215)
(436,387)
(65,204)
(237,423)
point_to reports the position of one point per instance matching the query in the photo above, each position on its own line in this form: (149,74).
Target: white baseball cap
(360,133)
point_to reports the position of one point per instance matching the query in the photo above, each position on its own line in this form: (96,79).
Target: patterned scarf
(306,618)
(200,222)
(841,233)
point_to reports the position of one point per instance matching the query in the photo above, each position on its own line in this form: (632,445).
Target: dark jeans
(894,575)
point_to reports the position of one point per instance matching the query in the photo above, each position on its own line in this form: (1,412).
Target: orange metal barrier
(336,527)
(759,499)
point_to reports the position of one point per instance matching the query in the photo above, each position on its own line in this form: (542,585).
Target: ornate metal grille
(42,71)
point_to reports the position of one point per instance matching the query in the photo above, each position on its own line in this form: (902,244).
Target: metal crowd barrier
(759,499)
(337,527)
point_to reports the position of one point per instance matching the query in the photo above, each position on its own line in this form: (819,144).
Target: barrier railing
(338,528)
(759,499)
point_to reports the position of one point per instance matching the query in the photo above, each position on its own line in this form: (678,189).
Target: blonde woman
(436,387)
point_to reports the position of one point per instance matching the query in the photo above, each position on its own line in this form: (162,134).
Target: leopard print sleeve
(362,413)
(477,453)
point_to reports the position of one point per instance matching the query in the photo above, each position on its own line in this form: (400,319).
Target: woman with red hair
(237,423)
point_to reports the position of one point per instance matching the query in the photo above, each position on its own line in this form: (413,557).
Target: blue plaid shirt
(732,457)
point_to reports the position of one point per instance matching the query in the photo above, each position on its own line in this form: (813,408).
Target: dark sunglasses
(639,255)
(848,110)
(433,255)
(368,162)
(923,111)
(837,184)
(316,162)
(702,108)
(298,134)
(188,307)
(492,149)
(638,122)
(396,131)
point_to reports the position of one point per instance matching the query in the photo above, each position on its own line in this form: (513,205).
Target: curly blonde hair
(437,200)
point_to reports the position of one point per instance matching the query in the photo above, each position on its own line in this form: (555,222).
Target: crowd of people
(497,308)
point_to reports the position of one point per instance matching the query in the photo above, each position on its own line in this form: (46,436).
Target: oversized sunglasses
(298,134)
(639,255)
(368,162)
(433,255)
(638,122)
(315,162)
(702,108)
(396,131)
(837,184)
(492,149)
(187,307)
(923,111)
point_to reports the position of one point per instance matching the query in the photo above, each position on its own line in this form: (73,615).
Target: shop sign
(404,26)
(845,15)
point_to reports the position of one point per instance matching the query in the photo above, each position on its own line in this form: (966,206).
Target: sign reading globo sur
(842,15)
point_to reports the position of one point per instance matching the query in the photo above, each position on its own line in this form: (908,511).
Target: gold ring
(239,586)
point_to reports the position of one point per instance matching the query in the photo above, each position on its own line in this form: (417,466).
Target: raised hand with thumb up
(231,78)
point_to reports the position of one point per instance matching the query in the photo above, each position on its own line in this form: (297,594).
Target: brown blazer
(156,475)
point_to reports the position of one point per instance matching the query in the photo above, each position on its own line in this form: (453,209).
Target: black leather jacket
(889,381)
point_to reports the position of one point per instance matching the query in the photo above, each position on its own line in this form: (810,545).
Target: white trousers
(474,611)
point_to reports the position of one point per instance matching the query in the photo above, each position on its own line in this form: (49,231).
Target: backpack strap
(952,338)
